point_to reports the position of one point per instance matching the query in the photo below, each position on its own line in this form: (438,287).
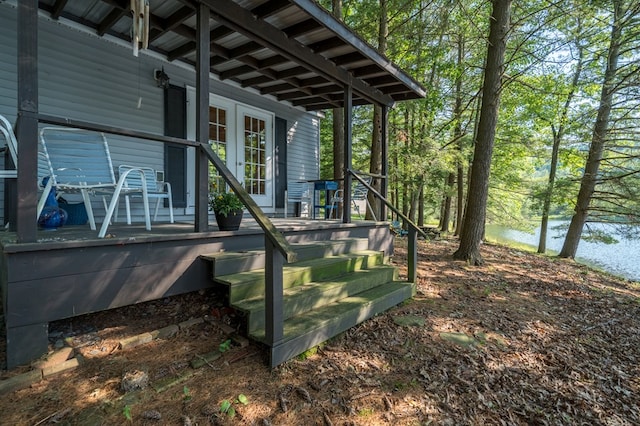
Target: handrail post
(412,255)
(274,299)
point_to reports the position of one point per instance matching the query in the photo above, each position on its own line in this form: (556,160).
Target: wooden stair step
(250,284)
(304,298)
(226,263)
(305,331)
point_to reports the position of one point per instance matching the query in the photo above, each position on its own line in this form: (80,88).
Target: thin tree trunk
(457,135)
(446,208)
(461,171)
(598,140)
(473,227)
(421,203)
(375,165)
(338,127)
(557,140)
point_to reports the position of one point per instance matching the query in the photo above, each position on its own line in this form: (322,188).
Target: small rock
(152,415)
(59,344)
(56,335)
(409,320)
(134,380)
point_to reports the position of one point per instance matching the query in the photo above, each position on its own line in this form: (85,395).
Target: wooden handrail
(86,125)
(388,204)
(414,230)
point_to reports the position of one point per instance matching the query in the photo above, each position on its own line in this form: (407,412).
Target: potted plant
(227,208)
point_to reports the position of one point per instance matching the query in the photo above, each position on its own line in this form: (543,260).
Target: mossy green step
(225,263)
(305,331)
(304,298)
(250,284)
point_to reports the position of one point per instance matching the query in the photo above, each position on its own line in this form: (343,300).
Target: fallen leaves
(523,340)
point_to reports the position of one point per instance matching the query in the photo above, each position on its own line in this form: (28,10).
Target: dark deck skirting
(70,272)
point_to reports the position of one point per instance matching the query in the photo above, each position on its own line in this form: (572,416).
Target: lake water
(622,259)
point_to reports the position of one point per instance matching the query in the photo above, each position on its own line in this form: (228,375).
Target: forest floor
(523,340)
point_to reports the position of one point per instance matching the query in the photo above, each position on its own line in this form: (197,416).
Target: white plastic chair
(299,192)
(12,145)
(358,193)
(80,161)
(155,189)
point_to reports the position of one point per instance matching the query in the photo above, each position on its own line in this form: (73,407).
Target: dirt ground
(523,340)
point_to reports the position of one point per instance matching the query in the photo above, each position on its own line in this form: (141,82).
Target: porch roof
(293,50)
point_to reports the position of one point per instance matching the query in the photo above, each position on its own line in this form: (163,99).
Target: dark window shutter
(280,184)
(175,156)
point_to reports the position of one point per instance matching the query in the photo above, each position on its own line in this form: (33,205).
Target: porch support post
(346,202)
(274,317)
(412,255)
(202,117)
(27,131)
(384,183)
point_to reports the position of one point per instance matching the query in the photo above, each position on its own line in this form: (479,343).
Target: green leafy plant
(224,346)
(224,203)
(126,412)
(186,394)
(226,406)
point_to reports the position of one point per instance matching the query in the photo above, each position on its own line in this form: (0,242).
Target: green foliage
(225,346)
(186,394)
(126,412)
(442,44)
(227,408)
(225,202)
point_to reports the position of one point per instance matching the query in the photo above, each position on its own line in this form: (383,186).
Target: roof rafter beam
(110,20)
(172,22)
(243,21)
(262,11)
(58,7)
(302,102)
(304,27)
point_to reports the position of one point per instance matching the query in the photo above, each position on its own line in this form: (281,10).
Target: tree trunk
(457,135)
(446,208)
(338,127)
(375,165)
(421,203)
(473,227)
(544,223)
(598,139)
(557,140)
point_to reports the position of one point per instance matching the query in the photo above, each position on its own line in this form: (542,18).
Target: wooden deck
(70,272)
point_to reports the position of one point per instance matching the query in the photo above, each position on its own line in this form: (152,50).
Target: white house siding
(84,77)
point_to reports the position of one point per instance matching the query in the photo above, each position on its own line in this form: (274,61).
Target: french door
(242,136)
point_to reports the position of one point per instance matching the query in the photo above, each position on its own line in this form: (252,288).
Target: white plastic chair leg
(128,207)
(87,206)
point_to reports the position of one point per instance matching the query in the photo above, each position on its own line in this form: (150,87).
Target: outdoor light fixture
(161,78)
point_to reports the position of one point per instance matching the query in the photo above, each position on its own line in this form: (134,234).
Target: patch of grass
(366,412)
(126,412)
(399,386)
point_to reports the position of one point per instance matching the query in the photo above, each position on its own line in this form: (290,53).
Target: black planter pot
(231,222)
